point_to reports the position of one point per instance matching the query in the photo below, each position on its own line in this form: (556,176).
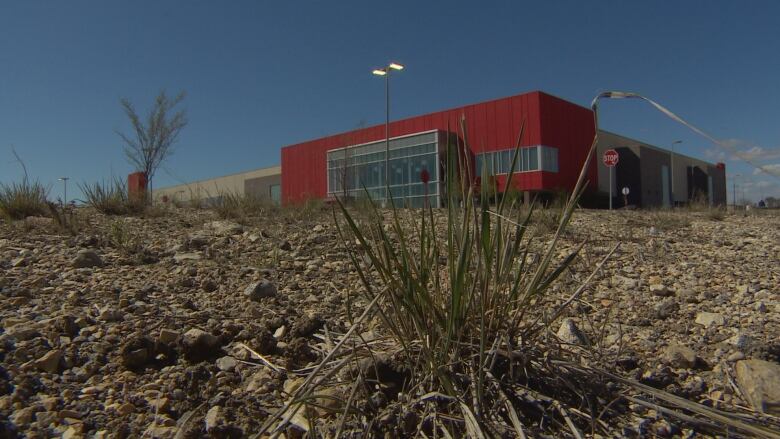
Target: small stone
(125,409)
(660,290)
(280,331)
(292,384)
(740,340)
(225,228)
(199,345)
(209,286)
(73,432)
(197,242)
(227,363)
(688,296)
(214,418)
(24,416)
(260,290)
(46,418)
(570,333)
(183,257)
(137,352)
(708,319)
(666,308)
(759,381)
(50,403)
(736,356)
(108,314)
(72,414)
(87,259)
(168,336)
(159,405)
(257,380)
(679,356)
(50,362)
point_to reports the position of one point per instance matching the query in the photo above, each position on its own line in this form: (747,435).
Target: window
(275,193)
(549,159)
(364,168)
(533,159)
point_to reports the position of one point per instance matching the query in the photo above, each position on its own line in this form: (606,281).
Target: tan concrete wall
(651,160)
(213,187)
(261,186)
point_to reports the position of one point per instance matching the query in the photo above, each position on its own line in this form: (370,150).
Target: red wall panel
(490,126)
(570,128)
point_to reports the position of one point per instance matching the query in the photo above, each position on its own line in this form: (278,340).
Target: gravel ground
(140,326)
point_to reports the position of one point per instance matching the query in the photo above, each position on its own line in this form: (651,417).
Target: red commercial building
(556,139)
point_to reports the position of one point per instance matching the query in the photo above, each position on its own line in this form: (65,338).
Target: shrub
(455,293)
(113,198)
(120,237)
(20,200)
(64,217)
(233,205)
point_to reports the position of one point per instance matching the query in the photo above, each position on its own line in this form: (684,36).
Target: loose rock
(87,259)
(260,290)
(759,381)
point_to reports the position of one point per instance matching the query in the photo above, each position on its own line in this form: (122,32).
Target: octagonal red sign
(610,158)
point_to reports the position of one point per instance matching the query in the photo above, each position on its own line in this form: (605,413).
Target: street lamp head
(63,178)
(676,142)
(379,72)
(396,66)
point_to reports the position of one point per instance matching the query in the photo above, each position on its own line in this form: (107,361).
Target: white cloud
(747,150)
(772,169)
(715,155)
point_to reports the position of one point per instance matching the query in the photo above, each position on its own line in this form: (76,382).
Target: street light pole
(672,168)
(386,73)
(64,181)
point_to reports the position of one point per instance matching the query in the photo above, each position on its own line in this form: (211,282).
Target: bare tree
(152,141)
(345,174)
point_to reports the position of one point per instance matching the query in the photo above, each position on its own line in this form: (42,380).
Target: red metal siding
(570,128)
(490,126)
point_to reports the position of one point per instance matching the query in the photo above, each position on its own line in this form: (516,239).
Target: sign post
(625,196)
(610,159)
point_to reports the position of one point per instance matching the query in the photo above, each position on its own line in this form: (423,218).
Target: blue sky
(260,75)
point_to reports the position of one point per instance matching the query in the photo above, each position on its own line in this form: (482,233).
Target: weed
(234,205)
(64,217)
(113,198)
(455,318)
(120,237)
(20,200)
(716,214)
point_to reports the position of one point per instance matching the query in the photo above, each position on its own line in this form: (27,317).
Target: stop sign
(610,158)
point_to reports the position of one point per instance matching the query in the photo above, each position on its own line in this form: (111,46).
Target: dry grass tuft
(20,200)
(113,198)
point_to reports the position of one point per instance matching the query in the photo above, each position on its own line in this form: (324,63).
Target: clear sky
(260,75)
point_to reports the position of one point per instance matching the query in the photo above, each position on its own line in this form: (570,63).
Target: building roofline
(221,176)
(538,92)
(656,147)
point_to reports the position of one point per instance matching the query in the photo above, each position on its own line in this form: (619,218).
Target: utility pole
(64,181)
(386,73)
